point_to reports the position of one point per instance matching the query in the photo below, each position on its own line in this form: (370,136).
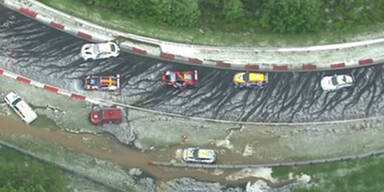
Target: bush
(181,13)
(292,16)
(21,174)
(279,16)
(232,10)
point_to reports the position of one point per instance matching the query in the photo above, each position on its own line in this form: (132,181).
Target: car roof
(205,153)
(113,113)
(202,153)
(104,47)
(26,110)
(258,77)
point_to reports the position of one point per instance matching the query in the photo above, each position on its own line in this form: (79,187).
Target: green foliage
(21,174)
(352,176)
(292,16)
(279,16)
(215,4)
(232,10)
(181,13)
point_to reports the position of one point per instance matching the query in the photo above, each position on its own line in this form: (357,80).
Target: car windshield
(196,154)
(188,77)
(113,48)
(171,77)
(101,115)
(344,79)
(334,80)
(246,77)
(96,49)
(16,101)
(94,81)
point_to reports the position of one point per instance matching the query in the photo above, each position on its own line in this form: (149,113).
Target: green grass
(21,173)
(365,175)
(121,21)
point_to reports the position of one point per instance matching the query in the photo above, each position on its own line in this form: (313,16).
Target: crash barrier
(155,48)
(63,167)
(261,165)
(107,103)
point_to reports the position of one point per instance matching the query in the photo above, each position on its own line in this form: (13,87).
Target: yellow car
(250,80)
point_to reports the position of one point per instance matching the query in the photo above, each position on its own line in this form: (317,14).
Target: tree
(25,175)
(232,10)
(181,13)
(292,16)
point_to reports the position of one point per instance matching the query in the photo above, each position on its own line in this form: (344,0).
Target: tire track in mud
(51,56)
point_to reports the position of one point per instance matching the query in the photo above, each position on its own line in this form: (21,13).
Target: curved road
(50,56)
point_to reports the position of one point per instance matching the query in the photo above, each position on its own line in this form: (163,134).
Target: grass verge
(358,175)
(19,173)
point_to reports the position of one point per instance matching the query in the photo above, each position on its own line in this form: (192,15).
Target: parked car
(106,116)
(104,83)
(100,50)
(20,107)
(196,155)
(336,82)
(250,80)
(179,79)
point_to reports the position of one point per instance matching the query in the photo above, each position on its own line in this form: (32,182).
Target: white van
(20,107)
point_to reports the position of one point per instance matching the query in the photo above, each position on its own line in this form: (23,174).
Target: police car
(196,155)
(20,107)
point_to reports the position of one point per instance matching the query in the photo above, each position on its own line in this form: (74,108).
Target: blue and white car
(20,107)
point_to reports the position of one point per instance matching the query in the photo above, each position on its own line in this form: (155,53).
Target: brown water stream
(107,148)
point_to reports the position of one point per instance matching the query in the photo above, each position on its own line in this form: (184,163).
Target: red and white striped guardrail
(87,35)
(51,88)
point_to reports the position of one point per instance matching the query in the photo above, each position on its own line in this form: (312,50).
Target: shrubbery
(292,16)
(281,16)
(22,174)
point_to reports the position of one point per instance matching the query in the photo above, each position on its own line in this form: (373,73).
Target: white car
(196,155)
(100,50)
(20,107)
(335,82)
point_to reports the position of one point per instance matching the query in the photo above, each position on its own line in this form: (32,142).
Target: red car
(179,79)
(100,117)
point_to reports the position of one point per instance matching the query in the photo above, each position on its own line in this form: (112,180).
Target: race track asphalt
(50,56)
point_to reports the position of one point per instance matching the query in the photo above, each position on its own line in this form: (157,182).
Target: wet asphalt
(50,56)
